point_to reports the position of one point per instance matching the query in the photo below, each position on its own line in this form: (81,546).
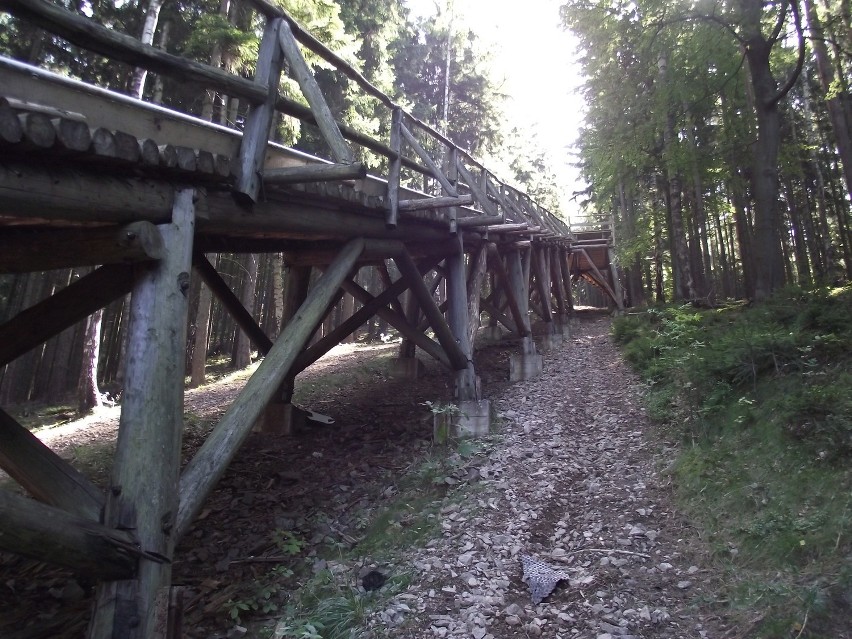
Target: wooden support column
(143,489)
(528,363)
(542,278)
(478,271)
(278,416)
(508,289)
(556,283)
(44,474)
(616,283)
(392,214)
(459,321)
(458,357)
(518,285)
(566,278)
(210,462)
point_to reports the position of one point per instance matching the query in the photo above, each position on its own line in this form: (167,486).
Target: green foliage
(761,395)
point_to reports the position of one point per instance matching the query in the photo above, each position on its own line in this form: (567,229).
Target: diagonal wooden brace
(313,94)
(210,462)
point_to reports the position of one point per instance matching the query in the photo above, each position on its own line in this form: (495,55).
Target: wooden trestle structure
(91,177)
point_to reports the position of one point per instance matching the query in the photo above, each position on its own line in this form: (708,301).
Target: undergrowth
(761,397)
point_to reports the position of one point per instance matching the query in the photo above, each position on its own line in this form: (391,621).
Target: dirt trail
(577,483)
(573,478)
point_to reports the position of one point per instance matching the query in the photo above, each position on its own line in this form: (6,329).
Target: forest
(716,135)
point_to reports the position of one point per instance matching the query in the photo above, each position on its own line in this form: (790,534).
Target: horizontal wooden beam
(45,533)
(45,475)
(75,302)
(478,220)
(425,203)
(43,249)
(314,173)
(91,36)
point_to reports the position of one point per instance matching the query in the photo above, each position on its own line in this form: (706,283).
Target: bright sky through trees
(535,56)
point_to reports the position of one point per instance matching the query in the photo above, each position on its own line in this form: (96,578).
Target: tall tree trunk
(839,122)
(152,17)
(684,283)
(242,348)
(768,250)
(88,393)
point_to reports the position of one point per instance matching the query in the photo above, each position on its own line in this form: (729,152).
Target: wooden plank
(259,120)
(27,250)
(314,173)
(91,36)
(394,169)
(212,459)
(34,325)
(313,94)
(142,495)
(45,475)
(458,358)
(45,533)
(231,302)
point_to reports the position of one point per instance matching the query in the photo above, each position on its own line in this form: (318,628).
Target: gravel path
(575,482)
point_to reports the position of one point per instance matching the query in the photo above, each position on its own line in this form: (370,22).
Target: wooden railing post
(259,120)
(394,170)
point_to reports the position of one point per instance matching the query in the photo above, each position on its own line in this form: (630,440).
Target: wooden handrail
(87,34)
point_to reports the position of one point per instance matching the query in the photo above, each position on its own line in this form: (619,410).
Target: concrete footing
(551,339)
(466,420)
(407,368)
(527,364)
(492,333)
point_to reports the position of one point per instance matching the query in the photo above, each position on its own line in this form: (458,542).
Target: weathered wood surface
(231,302)
(256,131)
(422,204)
(399,322)
(458,358)
(94,37)
(314,173)
(143,487)
(34,325)
(313,94)
(43,249)
(212,459)
(45,533)
(45,475)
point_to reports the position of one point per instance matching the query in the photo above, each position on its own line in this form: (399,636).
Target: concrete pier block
(407,368)
(492,333)
(552,339)
(565,326)
(466,420)
(525,366)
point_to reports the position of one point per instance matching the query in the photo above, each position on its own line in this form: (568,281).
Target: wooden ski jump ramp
(92,177)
